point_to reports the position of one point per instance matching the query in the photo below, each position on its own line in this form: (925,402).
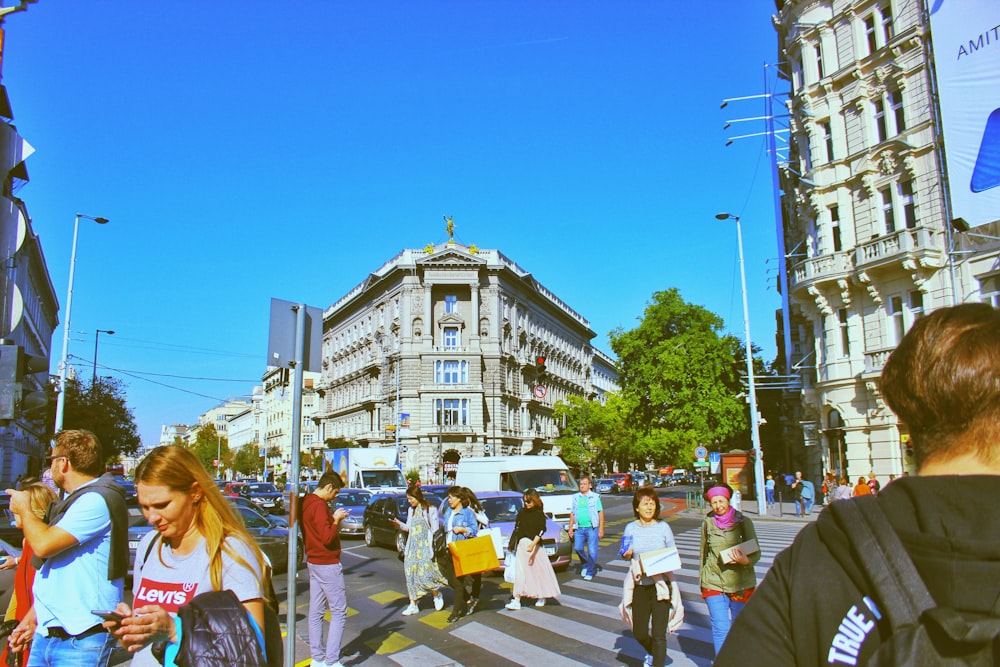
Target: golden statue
(451,228)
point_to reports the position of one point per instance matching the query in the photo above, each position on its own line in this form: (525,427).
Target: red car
(623,480)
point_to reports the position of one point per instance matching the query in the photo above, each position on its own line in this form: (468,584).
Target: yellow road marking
(437,619)
(389,643)
(385,597)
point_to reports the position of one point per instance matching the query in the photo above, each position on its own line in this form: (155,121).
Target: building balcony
(451,349)
(452,388)
(917,243)
(875,360)
(825,268)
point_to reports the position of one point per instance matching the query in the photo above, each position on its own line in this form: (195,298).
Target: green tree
(208,445)
(246,460)
(680,381)
(98,407)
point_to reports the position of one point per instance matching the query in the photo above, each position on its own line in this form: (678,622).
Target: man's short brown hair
(943,381)
(330,477)
(83,450)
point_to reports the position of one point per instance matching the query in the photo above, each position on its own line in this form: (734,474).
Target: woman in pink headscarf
(728,552)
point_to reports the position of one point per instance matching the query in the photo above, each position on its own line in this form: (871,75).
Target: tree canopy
(98,407)
(679,378)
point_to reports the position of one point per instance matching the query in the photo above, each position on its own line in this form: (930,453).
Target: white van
(546,474)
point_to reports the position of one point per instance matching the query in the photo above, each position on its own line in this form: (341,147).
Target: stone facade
(865,221)
(447,337)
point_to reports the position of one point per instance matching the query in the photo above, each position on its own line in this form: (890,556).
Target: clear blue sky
(249,150)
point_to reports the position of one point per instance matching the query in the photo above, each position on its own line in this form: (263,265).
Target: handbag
(473,556)
(509,567)
(440,544)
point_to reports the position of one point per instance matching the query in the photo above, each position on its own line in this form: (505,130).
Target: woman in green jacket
(728,553)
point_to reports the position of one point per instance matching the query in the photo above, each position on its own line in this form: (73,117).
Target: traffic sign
(701,452)
(540,391)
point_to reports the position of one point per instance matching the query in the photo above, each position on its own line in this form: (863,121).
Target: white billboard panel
(966,38)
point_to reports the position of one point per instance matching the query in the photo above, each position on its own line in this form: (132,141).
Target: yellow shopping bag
(474,555)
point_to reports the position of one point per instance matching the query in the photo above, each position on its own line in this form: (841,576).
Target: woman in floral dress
(419,566)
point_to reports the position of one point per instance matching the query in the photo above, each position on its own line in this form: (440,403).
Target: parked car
(622,480)
(9,533)
(605,486)
(266,496)
(233,489)
(271,536)
(377,520)
(129,488)
(240,501)
(355,501)
(502,508)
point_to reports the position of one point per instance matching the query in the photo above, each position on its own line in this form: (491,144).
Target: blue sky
(252,150)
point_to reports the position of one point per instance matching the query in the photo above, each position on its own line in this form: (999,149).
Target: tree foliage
(246,460)
(208,445)
(98,407)
(679,378)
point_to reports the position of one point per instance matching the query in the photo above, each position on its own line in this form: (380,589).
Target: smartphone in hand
(108,615)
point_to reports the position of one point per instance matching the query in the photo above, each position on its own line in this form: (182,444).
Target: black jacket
(816,590)
(530,523)
(216,631)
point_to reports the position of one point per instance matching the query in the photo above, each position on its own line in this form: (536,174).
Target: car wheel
(400,541)
(369,536)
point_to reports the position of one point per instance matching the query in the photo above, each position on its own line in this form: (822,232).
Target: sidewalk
(784,511)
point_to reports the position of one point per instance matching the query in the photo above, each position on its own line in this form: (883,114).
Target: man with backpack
(911,576)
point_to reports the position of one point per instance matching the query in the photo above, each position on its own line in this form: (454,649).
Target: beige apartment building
(870,246)
(437,350)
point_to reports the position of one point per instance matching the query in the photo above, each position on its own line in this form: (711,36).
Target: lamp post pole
(97,339)
(751,386)
(64,360)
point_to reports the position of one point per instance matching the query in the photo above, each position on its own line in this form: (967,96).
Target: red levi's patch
(170,596)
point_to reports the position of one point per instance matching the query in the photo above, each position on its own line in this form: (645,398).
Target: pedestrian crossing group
(584,628)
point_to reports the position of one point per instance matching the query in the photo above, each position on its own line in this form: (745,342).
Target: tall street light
(97,339)
(64,360)
(751,386)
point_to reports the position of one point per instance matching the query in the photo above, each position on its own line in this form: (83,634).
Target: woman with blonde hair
(40,496)
(197,545)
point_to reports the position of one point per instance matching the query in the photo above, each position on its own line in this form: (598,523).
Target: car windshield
(391,477)
(544,481)
(352,499)
(263,488)
(501,509)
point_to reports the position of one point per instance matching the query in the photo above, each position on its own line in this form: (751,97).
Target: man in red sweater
(321,529)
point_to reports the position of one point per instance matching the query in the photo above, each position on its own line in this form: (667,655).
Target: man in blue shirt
(586,527)
(84,554)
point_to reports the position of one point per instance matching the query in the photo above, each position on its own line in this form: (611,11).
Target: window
(989,290)
(827,136)
(845,335)
(916,304)
(880,129)
(451,372)
(451,337)
(896,324)
(870,33)
(886,11)
(908,204)
(888,216)
(451,411)
(819,61)
(835,228)
(895,99)
(451,303)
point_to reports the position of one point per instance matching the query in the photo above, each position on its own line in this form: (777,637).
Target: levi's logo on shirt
(170,596)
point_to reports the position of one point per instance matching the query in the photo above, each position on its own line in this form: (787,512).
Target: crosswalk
(583,628)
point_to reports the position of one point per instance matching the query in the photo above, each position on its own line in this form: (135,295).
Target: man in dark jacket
(942,382)
(321,529)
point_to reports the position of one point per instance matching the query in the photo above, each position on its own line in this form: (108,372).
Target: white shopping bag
(509,564)
(494,534)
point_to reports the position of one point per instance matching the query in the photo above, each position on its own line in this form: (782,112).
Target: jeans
(326,591)
(90,651)
(722,611)
(769,494)
(460,585)
(807,506)
(586,538)
(645,607)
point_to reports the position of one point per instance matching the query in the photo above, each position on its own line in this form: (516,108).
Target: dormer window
(451,337)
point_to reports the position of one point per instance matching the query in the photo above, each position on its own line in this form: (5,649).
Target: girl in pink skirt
(533,574)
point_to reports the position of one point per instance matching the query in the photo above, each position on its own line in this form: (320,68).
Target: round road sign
(540,391)
(701,452)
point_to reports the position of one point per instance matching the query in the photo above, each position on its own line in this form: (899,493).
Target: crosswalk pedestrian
(585,628)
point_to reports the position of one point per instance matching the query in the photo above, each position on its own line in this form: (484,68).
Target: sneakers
(438,600)
(513,605)
(648,660)
(588,577)
(473,602)
(317,663)
(340,664)
(540,602)
(411,610)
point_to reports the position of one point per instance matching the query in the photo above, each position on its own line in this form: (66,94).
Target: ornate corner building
(437,349)
(869,242)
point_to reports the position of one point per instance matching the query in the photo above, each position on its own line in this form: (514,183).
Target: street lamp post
(64,360)
(97,339)
(751,386)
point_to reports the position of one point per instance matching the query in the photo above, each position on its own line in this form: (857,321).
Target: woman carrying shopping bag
(533,574)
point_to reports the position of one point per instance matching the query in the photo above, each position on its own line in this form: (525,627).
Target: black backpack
(921,632)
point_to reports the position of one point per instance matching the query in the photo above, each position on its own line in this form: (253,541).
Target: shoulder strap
(149,550)
(898,585)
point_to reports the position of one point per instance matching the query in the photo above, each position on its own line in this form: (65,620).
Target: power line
(165,375)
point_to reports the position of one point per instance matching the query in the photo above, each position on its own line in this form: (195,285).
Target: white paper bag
(494,534)
(509,563)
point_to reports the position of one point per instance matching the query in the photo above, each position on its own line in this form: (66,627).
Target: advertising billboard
(966,39)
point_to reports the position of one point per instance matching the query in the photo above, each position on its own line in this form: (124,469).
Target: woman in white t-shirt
(198,544)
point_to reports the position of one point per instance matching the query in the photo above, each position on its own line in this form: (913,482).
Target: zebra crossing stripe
(510,648)
(423,656)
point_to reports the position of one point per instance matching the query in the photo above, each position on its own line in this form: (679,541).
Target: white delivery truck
(375,469)
(546,474)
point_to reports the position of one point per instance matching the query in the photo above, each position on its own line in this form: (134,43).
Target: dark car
(270,536)
(265,496)
(378,520)
(9,533)
(130,495)
(241,501)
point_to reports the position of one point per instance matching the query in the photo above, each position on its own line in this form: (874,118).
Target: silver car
(355,501)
